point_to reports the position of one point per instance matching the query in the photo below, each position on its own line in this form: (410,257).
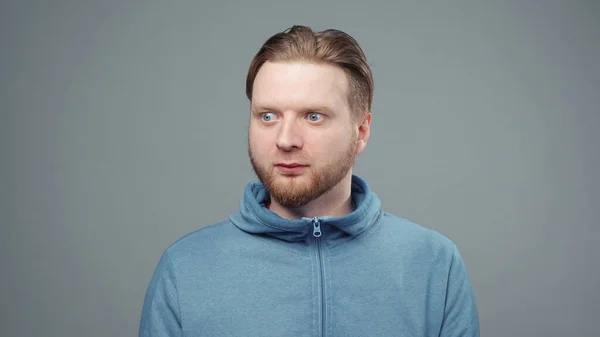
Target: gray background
(123,127)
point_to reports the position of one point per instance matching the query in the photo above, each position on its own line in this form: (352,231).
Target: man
(310,252)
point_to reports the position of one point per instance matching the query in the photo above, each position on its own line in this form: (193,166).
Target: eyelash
(308,114)
(263,114)
(317,113)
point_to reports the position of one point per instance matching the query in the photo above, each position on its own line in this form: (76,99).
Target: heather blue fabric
(369,273)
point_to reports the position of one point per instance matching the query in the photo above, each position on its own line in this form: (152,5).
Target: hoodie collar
(254,217)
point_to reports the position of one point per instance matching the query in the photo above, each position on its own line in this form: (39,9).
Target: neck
(335,203)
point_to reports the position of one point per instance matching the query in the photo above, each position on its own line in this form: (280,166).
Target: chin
(286,179)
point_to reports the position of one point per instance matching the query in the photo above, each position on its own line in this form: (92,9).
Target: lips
(290,165)
(291,168)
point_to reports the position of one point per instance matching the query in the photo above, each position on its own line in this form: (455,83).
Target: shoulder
(205,240)
(414,236)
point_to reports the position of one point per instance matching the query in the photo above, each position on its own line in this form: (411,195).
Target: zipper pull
(316,228)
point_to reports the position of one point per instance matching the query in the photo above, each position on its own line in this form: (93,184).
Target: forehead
(297,85)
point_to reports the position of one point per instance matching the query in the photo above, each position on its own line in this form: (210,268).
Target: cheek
(259,142)
(331,145)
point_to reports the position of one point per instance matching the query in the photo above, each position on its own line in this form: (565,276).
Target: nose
(289,137)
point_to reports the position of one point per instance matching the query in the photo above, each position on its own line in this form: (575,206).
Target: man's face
(301,140)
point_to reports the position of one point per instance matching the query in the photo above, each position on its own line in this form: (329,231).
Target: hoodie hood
(254,217)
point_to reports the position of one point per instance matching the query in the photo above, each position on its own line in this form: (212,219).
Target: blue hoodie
(368,273)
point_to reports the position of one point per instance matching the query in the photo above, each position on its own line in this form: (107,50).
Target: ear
(364,132)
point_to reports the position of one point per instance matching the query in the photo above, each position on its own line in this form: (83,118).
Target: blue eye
(315,116)
(267,116)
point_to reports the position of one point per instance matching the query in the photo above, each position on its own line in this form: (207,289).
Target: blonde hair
(300,43)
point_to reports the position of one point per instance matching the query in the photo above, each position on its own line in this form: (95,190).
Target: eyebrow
(263,108)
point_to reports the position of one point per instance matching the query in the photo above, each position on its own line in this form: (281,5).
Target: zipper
(317,234)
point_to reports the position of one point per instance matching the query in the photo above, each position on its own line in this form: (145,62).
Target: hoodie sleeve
(160,311)
(460,313)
